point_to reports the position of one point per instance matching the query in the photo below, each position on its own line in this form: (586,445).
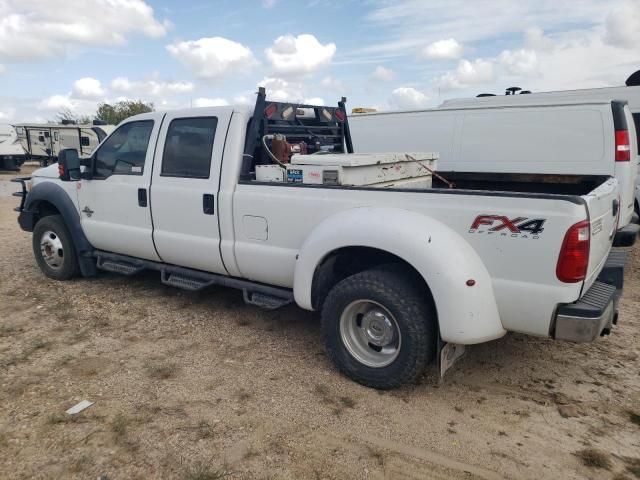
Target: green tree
(114,114)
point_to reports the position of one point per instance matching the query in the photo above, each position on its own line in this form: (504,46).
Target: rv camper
(12,154)
(43,142)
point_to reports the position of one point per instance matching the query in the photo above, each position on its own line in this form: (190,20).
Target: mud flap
(448,355)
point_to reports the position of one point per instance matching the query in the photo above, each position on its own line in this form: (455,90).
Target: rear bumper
(626,236)
(596,311)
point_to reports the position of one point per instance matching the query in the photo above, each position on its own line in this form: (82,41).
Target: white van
(530,135)
(630,93)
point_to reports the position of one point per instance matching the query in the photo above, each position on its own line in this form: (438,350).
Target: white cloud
(467,74)
(56,102)
(210,102)
(623,26)
(383,74)
(523,63)
(3,69)
(150,88)
(269,3)
(333,84)
(535,39)
(280,90)
(212,58)
(32,29)
(299,55)
(314,101)
(88,87)
(443,49)
(407,98)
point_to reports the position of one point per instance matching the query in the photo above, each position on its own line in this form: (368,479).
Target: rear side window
(85,141)
(636,120)
(188,147)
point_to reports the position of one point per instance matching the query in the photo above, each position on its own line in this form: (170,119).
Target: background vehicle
(43,142)
(525,135)
(397,262)
(12,154)
(629,93)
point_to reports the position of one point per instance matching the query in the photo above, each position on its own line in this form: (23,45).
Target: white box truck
(629,93)
(559,138)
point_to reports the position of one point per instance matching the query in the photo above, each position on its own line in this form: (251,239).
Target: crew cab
(404,264)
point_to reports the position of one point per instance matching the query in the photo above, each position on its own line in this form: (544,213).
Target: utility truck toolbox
(359,169)
(405,263)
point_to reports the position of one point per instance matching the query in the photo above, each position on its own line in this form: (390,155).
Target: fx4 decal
(518,227)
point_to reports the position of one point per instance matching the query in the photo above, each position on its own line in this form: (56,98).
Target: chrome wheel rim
(51,249)
(370,333)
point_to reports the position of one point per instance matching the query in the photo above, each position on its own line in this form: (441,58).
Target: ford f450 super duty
(404,264)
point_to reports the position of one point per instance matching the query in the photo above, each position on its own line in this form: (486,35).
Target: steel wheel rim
(370,333)
(51,249)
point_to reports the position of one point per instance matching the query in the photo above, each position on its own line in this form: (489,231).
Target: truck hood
(47,172)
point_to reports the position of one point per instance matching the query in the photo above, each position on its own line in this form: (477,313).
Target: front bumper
(596,311)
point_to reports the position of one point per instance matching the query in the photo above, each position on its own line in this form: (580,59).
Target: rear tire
(380,327)
(54,249)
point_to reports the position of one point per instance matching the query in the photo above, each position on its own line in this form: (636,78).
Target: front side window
(188,147)
(124,152)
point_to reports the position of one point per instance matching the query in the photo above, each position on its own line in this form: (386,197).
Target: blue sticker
(294,176)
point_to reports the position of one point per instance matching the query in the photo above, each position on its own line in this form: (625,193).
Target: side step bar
(258,294)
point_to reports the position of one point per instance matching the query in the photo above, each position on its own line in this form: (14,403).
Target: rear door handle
(208,204)
(142,197)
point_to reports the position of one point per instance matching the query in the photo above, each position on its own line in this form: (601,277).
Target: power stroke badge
(500,225)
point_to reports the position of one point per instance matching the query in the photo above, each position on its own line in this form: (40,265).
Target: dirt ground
(200,386)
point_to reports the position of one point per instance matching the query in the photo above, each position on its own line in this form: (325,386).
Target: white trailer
(43,142)
(12,155)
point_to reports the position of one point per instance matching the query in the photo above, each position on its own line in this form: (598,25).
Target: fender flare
(59,198)
(466,314)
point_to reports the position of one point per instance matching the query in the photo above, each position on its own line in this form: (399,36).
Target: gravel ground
(200,386)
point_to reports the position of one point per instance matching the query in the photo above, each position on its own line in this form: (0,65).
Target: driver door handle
(208,204)
(142,197)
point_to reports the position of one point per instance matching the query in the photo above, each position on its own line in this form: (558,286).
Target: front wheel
(53,248)
(379,327)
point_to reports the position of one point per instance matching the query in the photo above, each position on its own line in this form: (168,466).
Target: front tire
(54,249)
(379,327)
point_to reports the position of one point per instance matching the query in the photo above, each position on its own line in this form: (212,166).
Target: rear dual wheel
(379,327)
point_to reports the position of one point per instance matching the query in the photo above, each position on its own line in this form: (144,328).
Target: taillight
(270,110)
(574,254)
(623,147)
(340,115)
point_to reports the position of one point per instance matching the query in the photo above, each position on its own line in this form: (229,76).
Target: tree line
(112,114)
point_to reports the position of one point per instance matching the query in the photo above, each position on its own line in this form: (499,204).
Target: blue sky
(57,54)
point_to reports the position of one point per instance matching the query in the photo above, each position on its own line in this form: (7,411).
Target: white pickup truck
(403,265)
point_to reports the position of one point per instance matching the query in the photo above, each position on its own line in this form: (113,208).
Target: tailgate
(603,208)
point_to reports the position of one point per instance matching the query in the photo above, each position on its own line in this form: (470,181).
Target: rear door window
(188,146)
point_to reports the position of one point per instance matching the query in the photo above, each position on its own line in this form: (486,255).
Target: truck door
(114,204)
(184,190)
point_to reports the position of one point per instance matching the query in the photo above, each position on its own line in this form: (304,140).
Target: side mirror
(68,165)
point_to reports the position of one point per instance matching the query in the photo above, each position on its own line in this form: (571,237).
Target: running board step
(186,282)
(262,300)
(121,267)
